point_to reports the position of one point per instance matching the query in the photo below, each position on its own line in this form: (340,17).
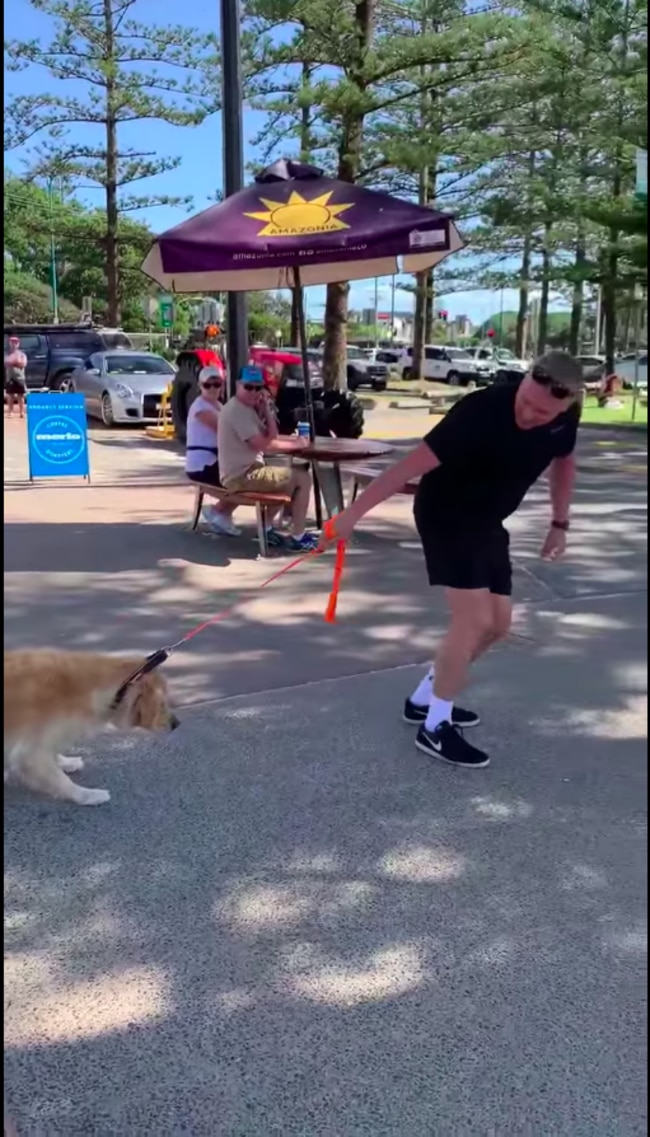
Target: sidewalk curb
(616,428)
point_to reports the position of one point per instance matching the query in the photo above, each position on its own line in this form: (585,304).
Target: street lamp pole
(233,170)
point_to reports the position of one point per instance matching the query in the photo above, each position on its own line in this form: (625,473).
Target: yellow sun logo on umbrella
(298,217)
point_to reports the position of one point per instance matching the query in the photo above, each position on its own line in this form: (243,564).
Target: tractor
(337,413)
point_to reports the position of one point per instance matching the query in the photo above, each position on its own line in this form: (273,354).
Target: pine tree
(133,73)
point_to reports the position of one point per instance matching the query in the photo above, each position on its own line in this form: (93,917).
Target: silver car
(122,386)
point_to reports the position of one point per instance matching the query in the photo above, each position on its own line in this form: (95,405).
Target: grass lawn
(619,416)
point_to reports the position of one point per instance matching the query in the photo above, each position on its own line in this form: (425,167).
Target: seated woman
(202,451)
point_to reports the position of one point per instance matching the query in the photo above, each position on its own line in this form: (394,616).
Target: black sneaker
(464,719)
(447,744)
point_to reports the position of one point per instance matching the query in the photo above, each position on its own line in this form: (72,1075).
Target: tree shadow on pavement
(288,921)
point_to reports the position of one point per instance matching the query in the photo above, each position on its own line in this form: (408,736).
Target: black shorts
(15,387)
(468,559)
(209,475)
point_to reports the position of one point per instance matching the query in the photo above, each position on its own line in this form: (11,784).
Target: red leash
(329,529)
(157,657)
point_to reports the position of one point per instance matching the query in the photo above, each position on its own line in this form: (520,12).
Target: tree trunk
(336,306)
(418,325)
(305,156)
(523,313)
(428,306)
(423,316)
(521,330)
(112,217)
(577,304)
(542,328)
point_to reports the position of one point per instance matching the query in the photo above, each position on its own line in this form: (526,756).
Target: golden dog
(53,698)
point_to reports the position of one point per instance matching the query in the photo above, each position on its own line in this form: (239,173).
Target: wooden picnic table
(327,455)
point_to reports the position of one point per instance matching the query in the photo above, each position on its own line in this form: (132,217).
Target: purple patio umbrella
(293,228)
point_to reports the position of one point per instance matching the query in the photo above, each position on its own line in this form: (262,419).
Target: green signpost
(166,310)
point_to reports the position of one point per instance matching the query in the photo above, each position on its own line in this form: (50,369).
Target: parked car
(593,369)
(364,371)
(499,359)
(54,351)
(451,365)
(122,386)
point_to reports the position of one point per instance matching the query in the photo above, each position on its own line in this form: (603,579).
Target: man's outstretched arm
(418,462)
(562,477)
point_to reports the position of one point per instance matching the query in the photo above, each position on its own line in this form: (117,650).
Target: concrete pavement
(289,921)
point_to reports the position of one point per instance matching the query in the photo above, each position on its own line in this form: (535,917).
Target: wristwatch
(563,525)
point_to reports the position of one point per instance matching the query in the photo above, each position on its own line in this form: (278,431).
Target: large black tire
(59,381)
(342,415)
(353,382)
(185,389)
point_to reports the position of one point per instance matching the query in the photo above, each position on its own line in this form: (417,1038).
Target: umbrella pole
(302,329)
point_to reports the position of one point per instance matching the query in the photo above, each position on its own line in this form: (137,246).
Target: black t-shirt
(488,463)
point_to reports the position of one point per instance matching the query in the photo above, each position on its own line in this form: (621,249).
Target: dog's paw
(92,797)
(70,765)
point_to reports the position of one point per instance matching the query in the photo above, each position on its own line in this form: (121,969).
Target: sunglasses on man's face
(557,390)
(252,387)
(211,386)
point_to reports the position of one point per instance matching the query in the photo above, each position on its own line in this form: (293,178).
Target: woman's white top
(198,434)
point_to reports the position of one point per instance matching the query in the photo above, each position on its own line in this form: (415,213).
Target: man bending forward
(476,467)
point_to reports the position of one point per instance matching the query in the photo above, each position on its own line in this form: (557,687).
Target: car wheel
(453,379)
(60,382)
(67,385)
(379,385)
(108,418)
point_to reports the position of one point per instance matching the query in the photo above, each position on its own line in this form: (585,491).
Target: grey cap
(561,367)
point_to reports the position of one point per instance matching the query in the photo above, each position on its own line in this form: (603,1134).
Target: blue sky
(199,148)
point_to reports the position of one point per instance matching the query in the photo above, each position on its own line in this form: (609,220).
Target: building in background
(462,327)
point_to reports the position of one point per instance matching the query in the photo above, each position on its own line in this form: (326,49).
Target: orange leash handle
(329,529)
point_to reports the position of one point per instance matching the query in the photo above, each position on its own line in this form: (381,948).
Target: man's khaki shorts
(264,479)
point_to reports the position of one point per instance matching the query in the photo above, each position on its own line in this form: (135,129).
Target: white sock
(422,694)
(439,711)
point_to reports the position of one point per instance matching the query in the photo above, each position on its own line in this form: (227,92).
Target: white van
(451,365)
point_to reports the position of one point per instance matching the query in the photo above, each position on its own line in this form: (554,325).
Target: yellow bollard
(164,428)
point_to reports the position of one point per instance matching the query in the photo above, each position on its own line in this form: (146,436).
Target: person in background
(15,383)
(247,432)
(202,449)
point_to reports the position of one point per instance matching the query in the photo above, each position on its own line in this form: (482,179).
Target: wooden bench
(261,501)
(363,475)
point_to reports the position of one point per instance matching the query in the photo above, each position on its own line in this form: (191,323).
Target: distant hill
(557,321)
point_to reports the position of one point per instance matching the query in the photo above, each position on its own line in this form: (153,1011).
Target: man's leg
(470,626)
(297,483)
(301,487)
(474,568)
(501,620)
(417,706)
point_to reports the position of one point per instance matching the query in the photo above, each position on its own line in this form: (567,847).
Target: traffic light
(443,315)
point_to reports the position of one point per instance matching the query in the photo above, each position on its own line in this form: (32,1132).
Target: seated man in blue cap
(247,431)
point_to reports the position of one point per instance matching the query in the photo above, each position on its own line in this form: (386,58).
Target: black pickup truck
(54,350)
